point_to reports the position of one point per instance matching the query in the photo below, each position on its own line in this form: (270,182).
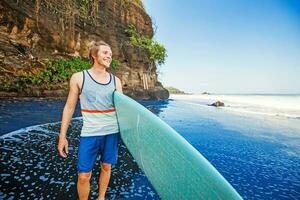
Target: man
(100,131)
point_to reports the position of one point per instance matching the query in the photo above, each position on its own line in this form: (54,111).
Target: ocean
(253,141)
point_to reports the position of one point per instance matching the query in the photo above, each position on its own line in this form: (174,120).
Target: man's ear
(94,55)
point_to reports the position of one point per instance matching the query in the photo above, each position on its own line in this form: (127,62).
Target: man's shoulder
(117,78)
(77,76)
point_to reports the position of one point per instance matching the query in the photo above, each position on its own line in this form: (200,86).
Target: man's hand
(62,147)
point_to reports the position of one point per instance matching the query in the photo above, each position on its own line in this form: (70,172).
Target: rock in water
(218,104)
(206,93)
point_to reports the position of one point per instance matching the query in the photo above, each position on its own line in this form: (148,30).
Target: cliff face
(32,32)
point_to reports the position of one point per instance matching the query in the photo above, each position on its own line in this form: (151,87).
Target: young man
(100,131)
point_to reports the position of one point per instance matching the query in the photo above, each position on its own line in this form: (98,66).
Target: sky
(229,46)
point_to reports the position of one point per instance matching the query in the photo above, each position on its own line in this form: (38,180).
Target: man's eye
(107,52)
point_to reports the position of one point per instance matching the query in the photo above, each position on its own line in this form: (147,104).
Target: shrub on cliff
(157,51)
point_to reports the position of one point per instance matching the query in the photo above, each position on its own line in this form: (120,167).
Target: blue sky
(229,46)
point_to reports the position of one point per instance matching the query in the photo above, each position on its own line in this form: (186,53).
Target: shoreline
(30,98)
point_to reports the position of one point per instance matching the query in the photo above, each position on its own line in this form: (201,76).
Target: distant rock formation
(206,93)
(218,104)
(173,90)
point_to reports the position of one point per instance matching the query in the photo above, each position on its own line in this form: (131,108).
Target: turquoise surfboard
(173,166)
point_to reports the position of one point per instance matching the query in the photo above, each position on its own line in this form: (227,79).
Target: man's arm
(68,113)
(70,104)
(119,85)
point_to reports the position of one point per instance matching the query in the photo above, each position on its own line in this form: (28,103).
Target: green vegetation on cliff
(173,90)
(81,8)
(137,2)
(56,72)
(114,64)
(157,51)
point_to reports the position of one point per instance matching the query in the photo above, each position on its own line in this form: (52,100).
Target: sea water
(254,142)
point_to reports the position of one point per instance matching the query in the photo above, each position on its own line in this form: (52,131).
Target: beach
(255,148)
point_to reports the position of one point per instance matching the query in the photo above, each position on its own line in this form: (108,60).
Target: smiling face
(100,53)
(103,56)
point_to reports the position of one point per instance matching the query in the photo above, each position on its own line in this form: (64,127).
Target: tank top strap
(83,79)
(114,82)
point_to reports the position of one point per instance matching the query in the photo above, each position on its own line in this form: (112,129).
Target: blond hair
(94,48)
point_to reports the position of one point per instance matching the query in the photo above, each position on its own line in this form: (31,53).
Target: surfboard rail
(173,166)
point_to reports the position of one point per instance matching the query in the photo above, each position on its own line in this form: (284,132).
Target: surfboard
(173,166)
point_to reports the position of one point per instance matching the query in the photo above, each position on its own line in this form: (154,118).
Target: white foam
(272,105)
(38,127)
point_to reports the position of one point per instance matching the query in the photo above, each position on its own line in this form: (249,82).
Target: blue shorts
(90,146)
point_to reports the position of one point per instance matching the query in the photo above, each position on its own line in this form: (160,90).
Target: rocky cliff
(34,31)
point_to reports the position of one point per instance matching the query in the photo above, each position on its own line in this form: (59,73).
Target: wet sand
(32,169)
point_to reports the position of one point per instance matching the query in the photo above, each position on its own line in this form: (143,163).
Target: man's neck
(98,69)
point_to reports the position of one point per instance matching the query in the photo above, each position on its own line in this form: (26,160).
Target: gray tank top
(97,108)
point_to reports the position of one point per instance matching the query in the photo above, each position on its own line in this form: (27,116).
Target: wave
(272,105)
(39,127)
